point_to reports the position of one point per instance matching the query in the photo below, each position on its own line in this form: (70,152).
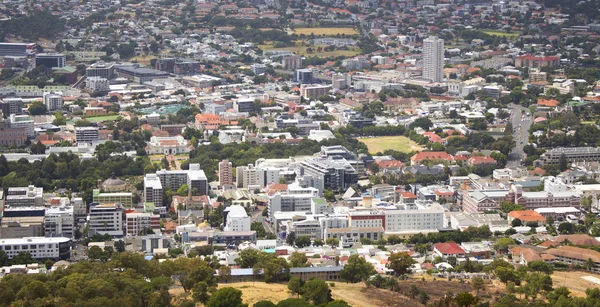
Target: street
(521,120)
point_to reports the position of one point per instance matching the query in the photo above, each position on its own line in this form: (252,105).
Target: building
(246,177)
(433,59)
(11,106)
(97,84)
(101,70)
(18,49)
(139,74)
(526,216)
(153,190)
(23,122)
(448,249)
(434,156)
(314,90)
(168,145)
(123,198)
(59,222)
(349,236)
(328,174)
(236,219)
(258,69)
(243,105)
(53,102)
(225,173)
(86,134)
(304,76)
(414,218)
(197,181)
(138,223)
(25,197)
(39,247)
(291,62)
(572,154)
(50,60)
(94,111)
(366,219)
(178,66)
(153,242)
(280,202)
(106,219)
(12,137)
(533,61)
(572,255)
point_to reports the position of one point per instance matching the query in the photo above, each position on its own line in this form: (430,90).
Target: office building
(106,219)
(194,177)
(329,174)
(139,223)
(23,122)
(225,173)
(12,137)
(139,74)
(258,69)
(11,106)
(86,134)
(414,218)
(58,248)
(314,90)
(97,84)
(304,76)
(50,60)
(197,181)
(59,222)
(246,177)
(291,62)
(101,70)
(280,202)
(25,197)
(18,49)
(572,154)
(153,190)
(53,102)
(152,242)
(243,105)
(236,219)
(178,66)
(433,59)
(123,198)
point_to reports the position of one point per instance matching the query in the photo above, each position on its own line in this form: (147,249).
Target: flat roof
(34,240)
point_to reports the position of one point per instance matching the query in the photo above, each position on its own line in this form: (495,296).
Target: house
(481,161)
(447,249)
(437,156)
(526,216)
(548,103)
(389,166)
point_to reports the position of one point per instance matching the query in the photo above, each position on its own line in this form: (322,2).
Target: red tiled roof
(431,155)
(449,248)
(527,216)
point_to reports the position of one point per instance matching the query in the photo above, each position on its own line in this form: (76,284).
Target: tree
(566,228)
(563,163)
(357,269)
(478,284)
(200,292)
(422,122)
(465,299)
(318,242)
(507,207)
(503,243)
(423,297)
(540,266)
(589,264)
(95,252)
(316,291)
(332,242)
(298,260)
(226,297)
(400,263)
(224,273)
(516,223)
(264,304)
(160,299)
(37,108)
(302,241)
(329,195)
(295,285)
(414,291)
(248,258)
(506,275)
(291,237)
(38,148)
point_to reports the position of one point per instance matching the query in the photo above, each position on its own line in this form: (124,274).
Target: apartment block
(124,198)
(137,223)
(59,222)
(106,219)
(236,219)
(25,197)
(58,248)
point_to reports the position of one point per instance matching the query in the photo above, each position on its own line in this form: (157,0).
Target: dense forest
(32,27)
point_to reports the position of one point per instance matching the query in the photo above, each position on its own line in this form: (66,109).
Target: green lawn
(383,143)
(502,33)
(97,119)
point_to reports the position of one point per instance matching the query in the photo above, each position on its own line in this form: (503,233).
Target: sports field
(325,31)
(97,119)
(302,50)
(502,33)
(383,143)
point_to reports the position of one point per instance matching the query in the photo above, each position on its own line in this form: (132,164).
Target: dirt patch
(573,281)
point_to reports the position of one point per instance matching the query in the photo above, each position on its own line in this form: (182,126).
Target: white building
(414,218)
(170,145)
(23,122)
(38,247)
(59,222)
(106,219)
(289,202)
(433,59)
(86,134)
(53,101)
(153,190)
(246,177)
(97,84)
(25,197)
(236,219)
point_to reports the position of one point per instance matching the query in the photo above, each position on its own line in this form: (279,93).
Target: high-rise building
(291,62)
(106,219)
(101,69)
(12,106)
(225,173)
(153,190)
(86,134)
(53,102)
(304,76)
(433,59)
(246,176)
(50,60)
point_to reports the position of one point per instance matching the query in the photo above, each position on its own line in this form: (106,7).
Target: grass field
(143,59)
(325,31)
(502,33)
(301,50)
(383,143)
(573,281)
(97,119)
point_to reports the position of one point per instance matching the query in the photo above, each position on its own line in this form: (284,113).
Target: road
(521,122)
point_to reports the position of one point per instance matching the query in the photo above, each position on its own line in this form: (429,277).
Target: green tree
(478,284)
(400,263)
(423,297)
(295,285)
(502,244)
(290,238)
(37,108)
(38,148)
(298,260)
(302,241)
(563,163)
(226,297)
(200,292)
(540,266)
(465,299)
(332,241)
(316,291)
(329,195)
(357,269)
